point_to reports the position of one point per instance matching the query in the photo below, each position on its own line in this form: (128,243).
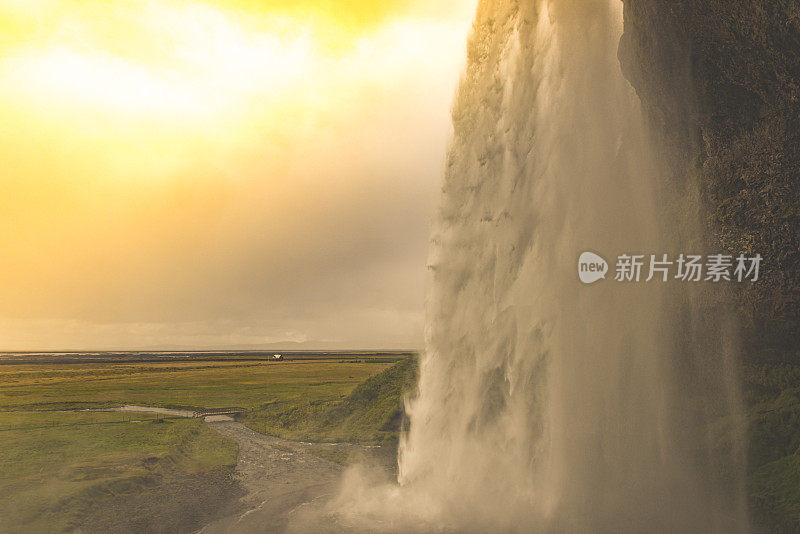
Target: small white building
(277,357)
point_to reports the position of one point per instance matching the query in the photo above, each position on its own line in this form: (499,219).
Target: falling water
(546,405)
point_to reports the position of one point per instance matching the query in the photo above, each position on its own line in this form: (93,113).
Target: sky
(199,173)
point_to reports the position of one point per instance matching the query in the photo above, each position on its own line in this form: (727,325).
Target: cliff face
(720,80)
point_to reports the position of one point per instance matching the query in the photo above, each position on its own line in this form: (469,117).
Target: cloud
(288,204)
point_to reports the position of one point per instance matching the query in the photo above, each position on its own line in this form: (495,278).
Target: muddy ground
(172,503)
(275,481)
(280,477)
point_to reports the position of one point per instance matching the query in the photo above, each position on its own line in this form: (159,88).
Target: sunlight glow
(208,62)
(104,82)
(154,151)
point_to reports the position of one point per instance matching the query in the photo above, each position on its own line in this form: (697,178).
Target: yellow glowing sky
(179,172)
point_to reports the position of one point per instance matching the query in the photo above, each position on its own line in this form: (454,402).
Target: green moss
(773,395)
(775,427)
(775,491)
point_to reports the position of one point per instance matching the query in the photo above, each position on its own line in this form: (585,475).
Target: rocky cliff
(720,80)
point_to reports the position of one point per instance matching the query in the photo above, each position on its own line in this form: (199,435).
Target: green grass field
(58,472)
(190,385)
(53,477)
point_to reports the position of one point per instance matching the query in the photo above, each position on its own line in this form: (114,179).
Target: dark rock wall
(720,80)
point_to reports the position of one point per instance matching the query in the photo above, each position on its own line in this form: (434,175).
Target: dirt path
(152,409)
(278,475)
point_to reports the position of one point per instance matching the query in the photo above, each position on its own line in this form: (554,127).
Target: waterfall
(547,405)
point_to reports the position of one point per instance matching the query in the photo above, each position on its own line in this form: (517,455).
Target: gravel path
(278,475)
(152,409)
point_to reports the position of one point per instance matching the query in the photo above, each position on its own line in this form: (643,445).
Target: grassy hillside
(100,476)
(773,395)
(372,412)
